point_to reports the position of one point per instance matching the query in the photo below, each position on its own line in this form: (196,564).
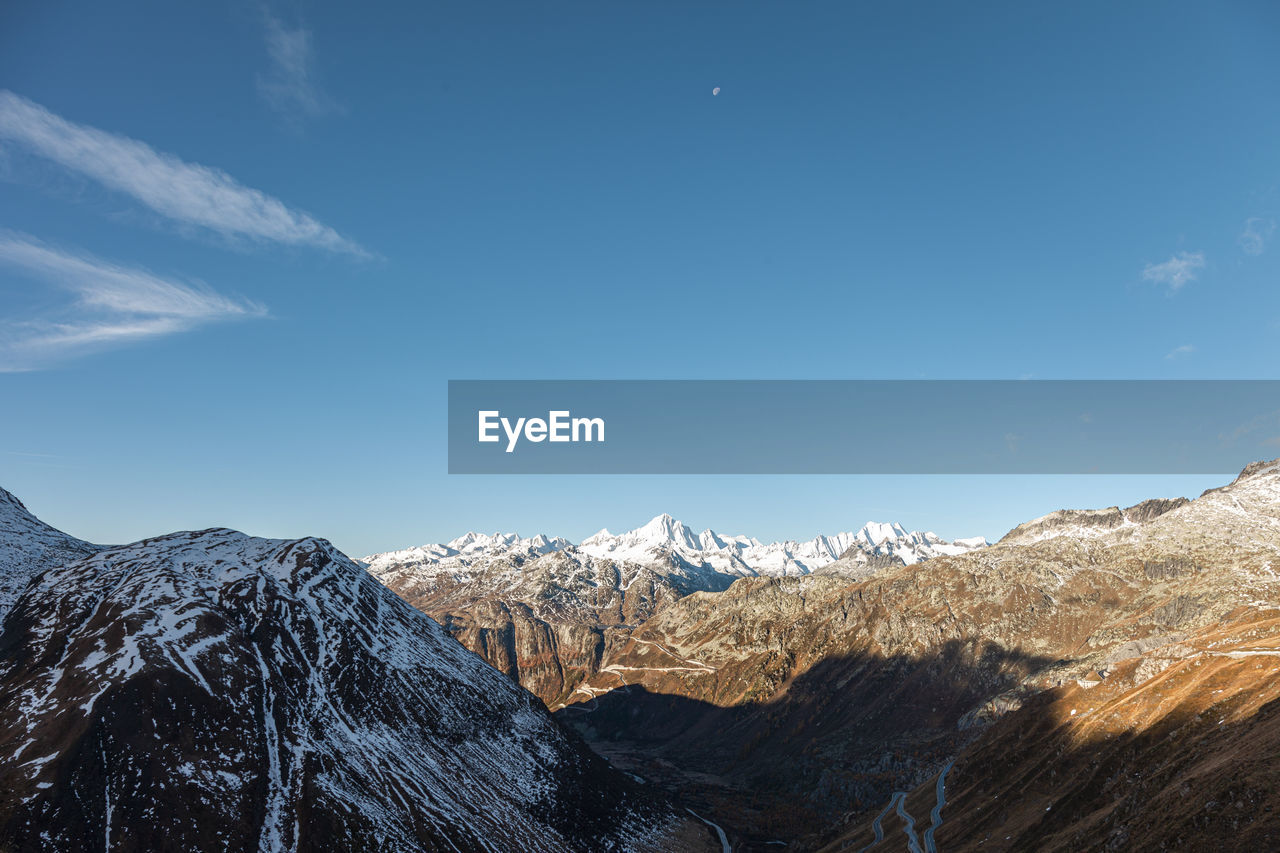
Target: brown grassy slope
(1175,750)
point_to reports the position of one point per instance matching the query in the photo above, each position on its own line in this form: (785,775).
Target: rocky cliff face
(547,621)
(1083,523)
(213,691)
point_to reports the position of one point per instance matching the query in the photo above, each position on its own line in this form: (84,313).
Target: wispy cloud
(1180,352)
(187,193)
(1177,271)
(110,305)
(289,86)
(1267,422)
(1257,232)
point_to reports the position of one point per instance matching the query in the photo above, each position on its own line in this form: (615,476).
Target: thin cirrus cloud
(1257,233)
(109,305)
(289,85)
(187,193)
(1175,272)
(1180,352)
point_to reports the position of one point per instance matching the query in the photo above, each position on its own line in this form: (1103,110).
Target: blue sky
(243,247)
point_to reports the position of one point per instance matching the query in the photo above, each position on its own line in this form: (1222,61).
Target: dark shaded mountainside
(1093,681)
(214,691)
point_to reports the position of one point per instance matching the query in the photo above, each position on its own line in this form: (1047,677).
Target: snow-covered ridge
(276,680)
(473,543)
(28,547)
(664,539)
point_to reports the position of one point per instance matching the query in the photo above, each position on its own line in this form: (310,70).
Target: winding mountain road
(898,802)
(662,648)
(877,828)
(616,670)
(909,824)
(593,692)
(935,816)
(724,839)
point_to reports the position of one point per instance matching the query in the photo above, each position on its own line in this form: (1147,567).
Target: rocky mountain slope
(1084,523)
(213,691)
(1171,750)
(787,703)
(549,613)
(1159,732)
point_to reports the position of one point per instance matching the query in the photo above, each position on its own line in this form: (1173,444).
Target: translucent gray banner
(861,426)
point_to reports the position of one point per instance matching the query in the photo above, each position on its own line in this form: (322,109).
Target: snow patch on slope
(28,547)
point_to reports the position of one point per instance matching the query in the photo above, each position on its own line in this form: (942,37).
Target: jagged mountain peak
(601,534)
(874,532)
(9,503)
(28,547)
(15,516)
(1259,468)
(473,542)
(668,546)
(665,528)
(1262,471)
(1088,523)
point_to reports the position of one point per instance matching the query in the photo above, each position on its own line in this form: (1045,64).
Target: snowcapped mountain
(747,557)
(458,556)
(214,691)
(668,543)
(478,543)
(28,546)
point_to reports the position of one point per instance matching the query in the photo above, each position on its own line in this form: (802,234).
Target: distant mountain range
(664,539)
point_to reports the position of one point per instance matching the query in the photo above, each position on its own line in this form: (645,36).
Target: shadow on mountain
(1184,761)
(833,742)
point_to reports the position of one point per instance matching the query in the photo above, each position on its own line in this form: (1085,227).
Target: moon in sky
(716,90)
